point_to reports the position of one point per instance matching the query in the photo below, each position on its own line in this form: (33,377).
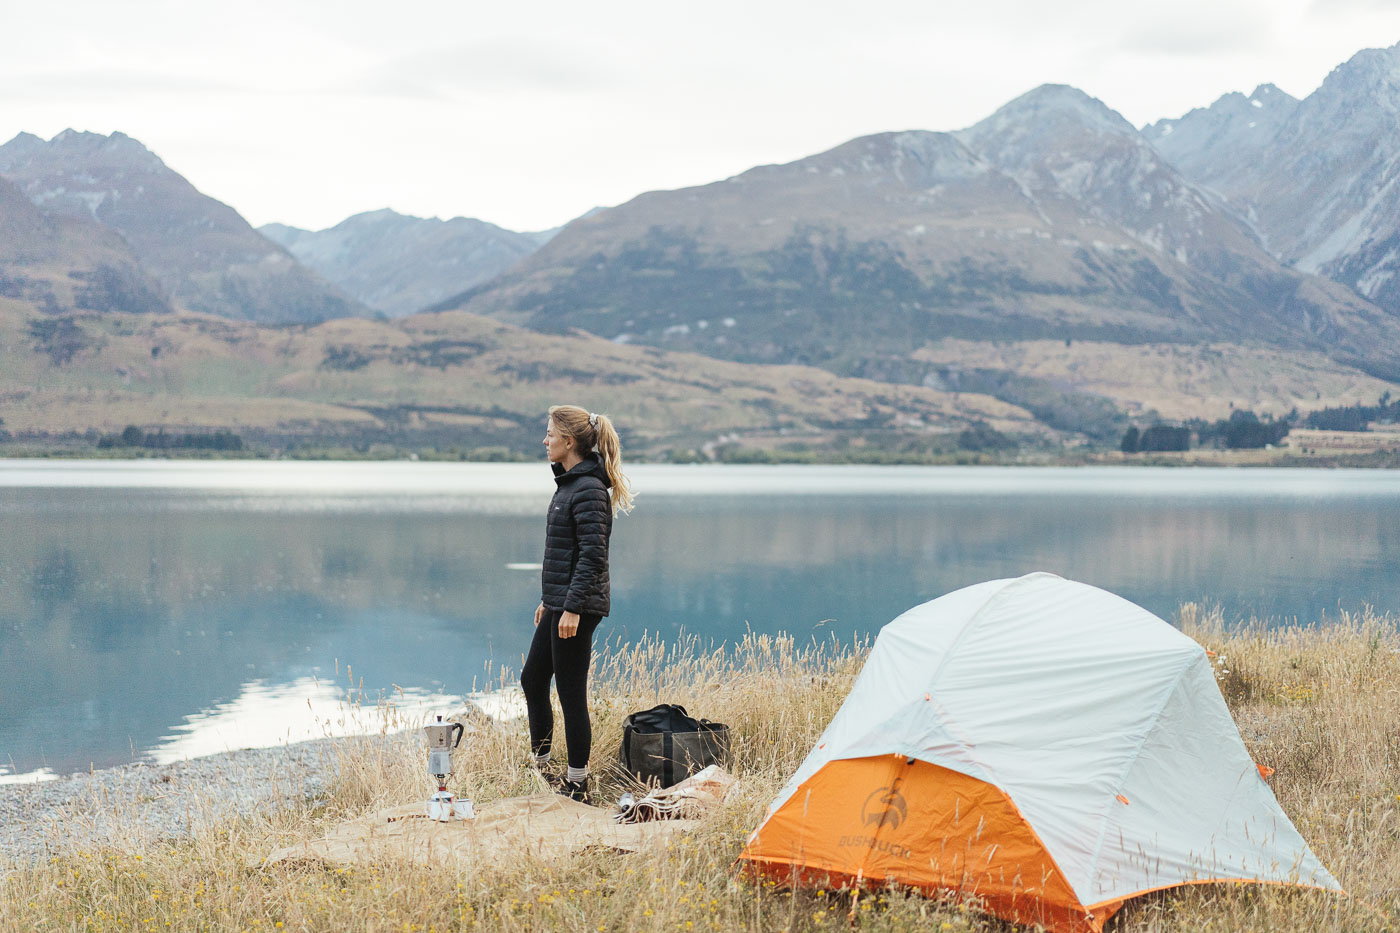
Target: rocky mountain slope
(1232,135)
(1319,179)
(399,264)
(56,263)
(204,255)
(1053,218)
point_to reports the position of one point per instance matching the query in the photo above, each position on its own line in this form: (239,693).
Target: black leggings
(567,661)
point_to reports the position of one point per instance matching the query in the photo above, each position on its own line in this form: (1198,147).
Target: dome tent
(1041,744)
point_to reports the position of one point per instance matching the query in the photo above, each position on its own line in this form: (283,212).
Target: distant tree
(159,440)
(1245,430)
(1162,437)
(982,436)
(1129,444)
(227,440)
(1356,417)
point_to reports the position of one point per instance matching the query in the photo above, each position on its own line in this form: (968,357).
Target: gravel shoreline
(140,803)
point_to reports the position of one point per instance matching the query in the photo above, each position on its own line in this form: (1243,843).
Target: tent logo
(884,807)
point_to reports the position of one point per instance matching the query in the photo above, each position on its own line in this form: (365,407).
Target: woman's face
(556,445)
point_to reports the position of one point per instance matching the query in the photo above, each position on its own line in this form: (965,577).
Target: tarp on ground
(542,826)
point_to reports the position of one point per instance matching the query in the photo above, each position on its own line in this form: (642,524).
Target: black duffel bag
(664,745)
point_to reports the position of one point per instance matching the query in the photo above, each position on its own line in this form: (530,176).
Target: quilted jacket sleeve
(592,512)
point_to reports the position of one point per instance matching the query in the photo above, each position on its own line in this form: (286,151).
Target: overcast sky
(527,114)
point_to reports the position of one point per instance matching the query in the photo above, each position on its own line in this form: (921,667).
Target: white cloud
(529,114)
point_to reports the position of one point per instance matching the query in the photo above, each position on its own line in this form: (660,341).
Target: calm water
(167,609)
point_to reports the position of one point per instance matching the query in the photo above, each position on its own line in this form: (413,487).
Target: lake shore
(149,804)
(1321,706)
(1324,450)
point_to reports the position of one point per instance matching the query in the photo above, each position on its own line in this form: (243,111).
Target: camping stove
(444,806)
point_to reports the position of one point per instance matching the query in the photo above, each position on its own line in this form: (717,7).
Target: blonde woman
(590,488)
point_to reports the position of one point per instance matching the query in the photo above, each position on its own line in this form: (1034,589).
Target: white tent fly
(1043,744)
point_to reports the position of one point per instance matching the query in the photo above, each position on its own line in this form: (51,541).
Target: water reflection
(141,620)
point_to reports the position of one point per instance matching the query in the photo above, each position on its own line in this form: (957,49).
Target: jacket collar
(590,465)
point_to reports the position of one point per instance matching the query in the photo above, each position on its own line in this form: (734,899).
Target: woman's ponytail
(592,431)
(609,448)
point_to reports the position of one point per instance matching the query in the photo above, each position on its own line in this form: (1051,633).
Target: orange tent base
(871,822)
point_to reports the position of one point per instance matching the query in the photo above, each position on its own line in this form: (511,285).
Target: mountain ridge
(1319,178)
(398,264)
(205,256)
(871,248)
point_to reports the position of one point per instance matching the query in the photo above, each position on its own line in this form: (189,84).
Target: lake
(167,609)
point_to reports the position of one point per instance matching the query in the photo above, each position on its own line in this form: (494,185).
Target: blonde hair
(595,432)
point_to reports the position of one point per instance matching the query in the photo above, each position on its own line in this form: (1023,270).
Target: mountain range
(398,264)
(1052,258)
(1052,218)
(204,256)
(1317,179)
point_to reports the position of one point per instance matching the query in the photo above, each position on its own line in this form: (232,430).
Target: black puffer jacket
(575,577)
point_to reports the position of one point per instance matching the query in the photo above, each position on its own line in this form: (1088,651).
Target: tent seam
(972,622)
(1132,760)
(908,750)
(953,646)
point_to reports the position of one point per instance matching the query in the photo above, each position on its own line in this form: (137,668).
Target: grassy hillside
(461,382)
(447,379)
(1178,381)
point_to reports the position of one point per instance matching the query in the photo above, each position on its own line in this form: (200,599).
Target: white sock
(542,760)
(577,775)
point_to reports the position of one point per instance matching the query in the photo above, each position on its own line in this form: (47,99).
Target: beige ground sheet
(544,825)
(687,800)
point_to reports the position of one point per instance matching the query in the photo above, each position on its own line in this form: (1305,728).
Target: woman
(586,456)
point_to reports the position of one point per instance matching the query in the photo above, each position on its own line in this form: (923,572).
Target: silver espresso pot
(444,805)
(440,745)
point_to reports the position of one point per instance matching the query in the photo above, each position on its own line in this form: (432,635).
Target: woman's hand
(539,614)
(568,625)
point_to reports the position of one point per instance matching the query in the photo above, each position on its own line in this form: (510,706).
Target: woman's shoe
(575,790)
(550,771)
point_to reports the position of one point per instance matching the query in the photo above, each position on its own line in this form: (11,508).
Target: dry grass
(1317,704)
(1178,381)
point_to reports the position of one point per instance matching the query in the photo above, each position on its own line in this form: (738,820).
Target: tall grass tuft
(1320,704)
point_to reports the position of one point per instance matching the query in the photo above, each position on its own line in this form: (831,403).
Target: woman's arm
(592,524)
